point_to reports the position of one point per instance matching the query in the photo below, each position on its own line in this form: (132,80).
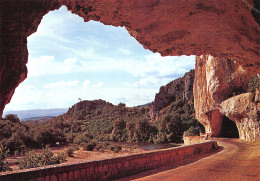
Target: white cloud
(99,85)
(54,52)
(155,64)
(70,61)
(152,64)
(149,81)
(55,25)
(124,51)
(86,83)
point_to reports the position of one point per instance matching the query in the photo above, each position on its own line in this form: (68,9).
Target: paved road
(237,160)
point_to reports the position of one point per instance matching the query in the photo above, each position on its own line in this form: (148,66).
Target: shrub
(99,147)
(13,118)
(75,147)
(60,157)
(115,148)
(70,152)
(33,159)
(192,131)
(106,144)
(3,155)
(81,139)
(89,146)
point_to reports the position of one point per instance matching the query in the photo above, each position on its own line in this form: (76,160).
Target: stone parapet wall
(188,140)
(110,168)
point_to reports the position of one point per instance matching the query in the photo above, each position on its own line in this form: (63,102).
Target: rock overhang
(221,28)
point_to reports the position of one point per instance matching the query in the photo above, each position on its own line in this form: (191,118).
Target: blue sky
(71,59)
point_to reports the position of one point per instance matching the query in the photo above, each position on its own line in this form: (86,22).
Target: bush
(89,146)
(192,131)
(13,118)
(99,147)
(60,157)
(115,148)
(106,144)
(71,150)
(33,159)
(75,147)
(3,155)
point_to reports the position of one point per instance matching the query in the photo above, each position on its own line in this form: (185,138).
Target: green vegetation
(112,123)
(71,150)
(192,131)
(3,155)
(46,157)
(115,148)
(89,146)
(89,122)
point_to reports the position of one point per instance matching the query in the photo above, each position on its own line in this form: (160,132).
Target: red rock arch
(220,28)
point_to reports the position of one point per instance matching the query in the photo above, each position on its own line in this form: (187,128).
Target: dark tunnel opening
(229,128)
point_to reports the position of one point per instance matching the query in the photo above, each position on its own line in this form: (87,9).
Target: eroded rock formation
(221,28)
(220,88)
(181,87)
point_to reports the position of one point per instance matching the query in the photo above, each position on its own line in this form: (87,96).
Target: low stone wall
(110,168)
(188,140)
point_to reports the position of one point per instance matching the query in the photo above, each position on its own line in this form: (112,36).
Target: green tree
(3,155)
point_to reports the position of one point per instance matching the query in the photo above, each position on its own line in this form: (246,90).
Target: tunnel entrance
(229,128)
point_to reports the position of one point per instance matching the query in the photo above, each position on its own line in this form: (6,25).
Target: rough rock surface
(217,82)
(220,28)
(244,111)
(169,93)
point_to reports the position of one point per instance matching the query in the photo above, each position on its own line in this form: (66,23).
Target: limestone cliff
(220,88)
(220,28)
(181,87)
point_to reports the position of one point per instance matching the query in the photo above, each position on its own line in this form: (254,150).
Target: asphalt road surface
(236,160)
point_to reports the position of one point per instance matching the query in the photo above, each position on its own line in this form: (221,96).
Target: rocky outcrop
(220,28)
(220,88)
(19,19)
(244,111)
(103,111)
(181,87)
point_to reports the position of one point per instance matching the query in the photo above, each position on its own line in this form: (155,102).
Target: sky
(71,59)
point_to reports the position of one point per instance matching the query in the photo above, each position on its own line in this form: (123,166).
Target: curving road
(237,160)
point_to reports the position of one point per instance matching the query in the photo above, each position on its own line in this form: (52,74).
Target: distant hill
(176,95)
(145,105)
(37,113)
(37,119)
(163,120)
(102,111)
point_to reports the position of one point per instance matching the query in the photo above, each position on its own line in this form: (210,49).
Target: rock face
(217,82)
(181,87)
(221,28)
(245,112)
